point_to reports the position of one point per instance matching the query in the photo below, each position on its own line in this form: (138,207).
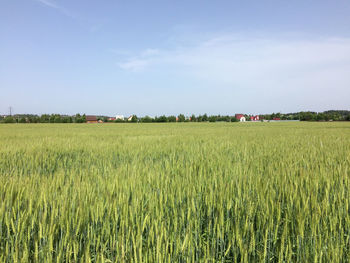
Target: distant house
(130,117)
(91,119)
(111,119)
(276,119)
(240,117)
(119,117)
(255,118)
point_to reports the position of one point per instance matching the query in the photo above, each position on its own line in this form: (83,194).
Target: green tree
(22,120)
(181,118)
(172,119)
(146,119)
(45,118)
(320,117)
(212,118)
(79,119)
(57,119)
(193,117)
(162,118)
(205,117)
(9,119)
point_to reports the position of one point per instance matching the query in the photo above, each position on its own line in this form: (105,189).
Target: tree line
(44,118)
(331,115)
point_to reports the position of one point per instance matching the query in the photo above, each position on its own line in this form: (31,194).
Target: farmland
(189,192)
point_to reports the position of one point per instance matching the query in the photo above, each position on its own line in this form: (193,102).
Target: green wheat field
(181,192)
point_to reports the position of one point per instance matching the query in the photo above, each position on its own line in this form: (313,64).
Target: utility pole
(10,110)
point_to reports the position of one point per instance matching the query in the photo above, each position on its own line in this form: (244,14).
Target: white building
(240,117)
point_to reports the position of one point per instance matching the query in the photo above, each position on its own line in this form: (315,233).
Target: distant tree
(223,118)
(79,119)
(9,119)
(146,119)
(67,119)
(320,117)
(22,120)
(326,117)
(33,119)
(307,116)
(296,116)
(181,118)
(162,118)
(290,117)
(171,119)
(336,116)
(57,119)
(193,117)
(212,118)
(45,118)
(233,119)
(134,118)
(205,117)
(52,118)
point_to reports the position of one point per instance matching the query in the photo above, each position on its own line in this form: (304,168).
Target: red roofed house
(255,118)
(91,119)
(240,117)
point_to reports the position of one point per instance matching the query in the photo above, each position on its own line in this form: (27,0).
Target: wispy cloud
(54,5)
(49,3)
(257,67)
(141,61)
(135,64)
(231,58)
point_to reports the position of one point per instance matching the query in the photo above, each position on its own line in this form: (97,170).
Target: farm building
(91,119)
(119,117)
(255,118)
(240,117)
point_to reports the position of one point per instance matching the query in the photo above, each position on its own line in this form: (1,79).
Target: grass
(190,192)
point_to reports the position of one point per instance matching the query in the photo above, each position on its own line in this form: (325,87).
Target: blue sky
(170,57)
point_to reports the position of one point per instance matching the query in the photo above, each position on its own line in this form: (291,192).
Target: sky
(167,57)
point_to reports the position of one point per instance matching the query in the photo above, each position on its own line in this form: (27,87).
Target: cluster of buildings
(242,118)
(94,119)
